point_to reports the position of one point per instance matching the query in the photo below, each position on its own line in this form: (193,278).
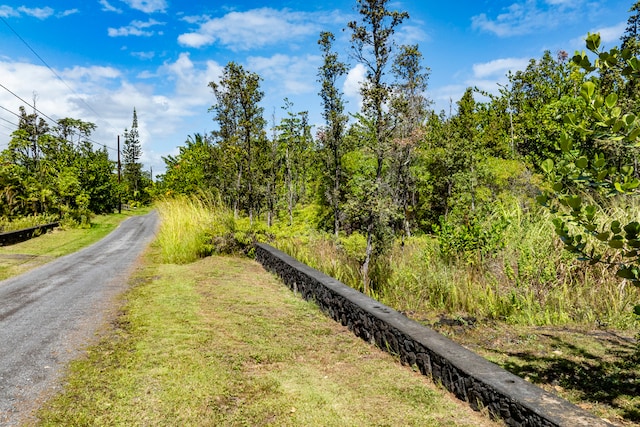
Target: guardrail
(17,236)
(470,377)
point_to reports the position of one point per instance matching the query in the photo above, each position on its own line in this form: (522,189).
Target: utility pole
(119,174)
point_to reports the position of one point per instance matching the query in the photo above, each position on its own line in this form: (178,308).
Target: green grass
(595,368)
(21,257)
(528,280)
(250,357)
(188,224)
(220,342)
(26,222)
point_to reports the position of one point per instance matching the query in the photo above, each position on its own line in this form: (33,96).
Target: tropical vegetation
(54,171)
(432,210)
(518,206)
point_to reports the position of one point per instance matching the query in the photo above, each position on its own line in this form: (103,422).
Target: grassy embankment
(592,364)
(529,306)
(218,341)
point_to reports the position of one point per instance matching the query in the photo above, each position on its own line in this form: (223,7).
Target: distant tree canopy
(55,170)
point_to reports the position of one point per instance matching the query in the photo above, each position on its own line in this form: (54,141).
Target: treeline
(397,167)
(55,170)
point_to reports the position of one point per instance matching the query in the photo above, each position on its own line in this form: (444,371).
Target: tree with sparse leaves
(332,134)
(372,46)
(241,132)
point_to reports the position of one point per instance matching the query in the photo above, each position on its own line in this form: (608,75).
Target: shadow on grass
(613,380)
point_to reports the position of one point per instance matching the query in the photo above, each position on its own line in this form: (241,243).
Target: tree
(96,178)
(55,170)
(409,109)
(294,143)
(371,42)
(631,42)
(582,223)
(194,169)
(241,130)
(132,168)
(539,95)
(335,121)
(24,147)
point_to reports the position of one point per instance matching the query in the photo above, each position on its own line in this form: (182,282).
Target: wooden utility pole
(119,174)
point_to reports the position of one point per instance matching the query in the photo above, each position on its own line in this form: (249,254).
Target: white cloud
(527,16)
(8,12)
(499,67)
(191,80)
(108,7)
(67,13)
(135,28)
(195,19)
(352,84)
(412,33)
(286,74)
(608,36)
(106,96)
(147,6)
(611,34)
(195,39)
(566,3)
(445,97)
(485,76)
(144,55)
(254,28)
(41,13)
(37,12)
(94,72)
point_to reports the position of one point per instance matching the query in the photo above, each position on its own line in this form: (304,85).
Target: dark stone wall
(470,377)
(12,237)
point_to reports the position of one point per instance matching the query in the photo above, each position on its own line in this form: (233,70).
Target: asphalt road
(48,315)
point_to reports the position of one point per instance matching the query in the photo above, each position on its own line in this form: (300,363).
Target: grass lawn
(221,342)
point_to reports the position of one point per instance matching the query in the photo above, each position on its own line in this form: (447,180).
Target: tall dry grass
(188,226)
(530,280)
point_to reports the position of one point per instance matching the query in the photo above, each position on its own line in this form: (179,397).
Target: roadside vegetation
(519,206)
(220,342)
(514,215)
(584,352)
(54,172)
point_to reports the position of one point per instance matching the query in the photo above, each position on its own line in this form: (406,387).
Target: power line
(59,78)
(9,111)
(32,106)
(54,72)
(55,122)
(15,126)
(8,121)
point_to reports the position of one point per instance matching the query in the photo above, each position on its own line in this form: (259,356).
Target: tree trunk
(289,180)
(236,202)
(367,259)
(336,199)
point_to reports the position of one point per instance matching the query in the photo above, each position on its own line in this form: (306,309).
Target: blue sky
(96,60)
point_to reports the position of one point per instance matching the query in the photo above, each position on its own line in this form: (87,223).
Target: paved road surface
(49,314)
